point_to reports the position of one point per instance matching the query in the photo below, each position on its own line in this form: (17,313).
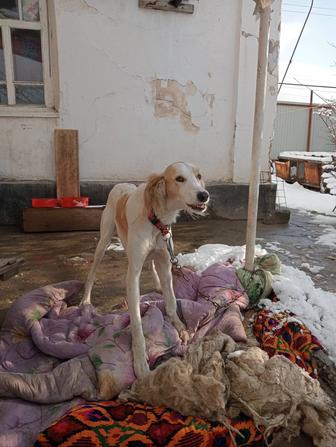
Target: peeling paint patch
(166,6)
(89,7)
(210,98)
(246,35)
(273,91)
(170,100)
(75,5)
(25,126)
(273,55)
(235,131)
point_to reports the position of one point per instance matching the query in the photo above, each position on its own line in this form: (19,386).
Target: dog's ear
(155,192)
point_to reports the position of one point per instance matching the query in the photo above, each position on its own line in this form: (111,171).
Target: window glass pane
(30,9)
(29,94)
(9,9)
(27,55)
(2,60)
(3,94)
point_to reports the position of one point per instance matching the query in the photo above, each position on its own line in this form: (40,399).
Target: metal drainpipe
(264,29)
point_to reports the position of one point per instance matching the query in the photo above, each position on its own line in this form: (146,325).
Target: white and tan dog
(179,187)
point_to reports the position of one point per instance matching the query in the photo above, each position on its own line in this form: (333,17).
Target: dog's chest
(156,244)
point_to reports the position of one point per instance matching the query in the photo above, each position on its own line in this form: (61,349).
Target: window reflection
(29,94)
(27,55)
(30,10)
(3,94)
(9,9)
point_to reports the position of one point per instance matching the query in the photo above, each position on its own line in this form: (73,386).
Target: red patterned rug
(129,424)
(292,339)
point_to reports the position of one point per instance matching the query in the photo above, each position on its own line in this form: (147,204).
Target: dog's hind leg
(107,229)
(155,277)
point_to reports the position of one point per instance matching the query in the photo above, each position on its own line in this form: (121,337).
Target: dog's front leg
(163,268)
(136,258)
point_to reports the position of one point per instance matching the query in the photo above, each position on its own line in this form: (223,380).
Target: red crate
(44,203)
(74,202)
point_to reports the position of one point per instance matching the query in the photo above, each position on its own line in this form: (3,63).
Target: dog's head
(180,186)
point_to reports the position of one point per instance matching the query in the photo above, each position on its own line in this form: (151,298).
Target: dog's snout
(202,196)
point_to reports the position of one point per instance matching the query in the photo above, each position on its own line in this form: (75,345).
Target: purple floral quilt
(53,356)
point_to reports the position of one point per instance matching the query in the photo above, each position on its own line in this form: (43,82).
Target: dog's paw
(85,300)
(184,336)
(141,368)
(181,329)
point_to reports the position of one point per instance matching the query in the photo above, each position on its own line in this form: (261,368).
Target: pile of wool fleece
(215,381)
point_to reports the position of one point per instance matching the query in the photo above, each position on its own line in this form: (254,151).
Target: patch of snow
(316,269)
(301,198)
(313,306)
(324,157)
(327,220)
(330,166)
(115,246)
(330,182)
(209,254)
(313,269)
(328,239)
(291,319)
(274,246)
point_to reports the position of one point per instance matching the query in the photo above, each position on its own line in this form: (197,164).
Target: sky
(315,59)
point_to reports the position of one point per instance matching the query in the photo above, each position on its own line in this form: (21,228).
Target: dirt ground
(54,257)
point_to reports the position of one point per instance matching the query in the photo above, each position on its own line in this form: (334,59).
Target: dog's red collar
(165,230)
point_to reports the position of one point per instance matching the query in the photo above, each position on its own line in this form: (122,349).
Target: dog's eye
(180,179)
(199,176)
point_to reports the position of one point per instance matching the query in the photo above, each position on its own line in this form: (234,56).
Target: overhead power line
(297,43)
(313,14)
(309,85)
(297,5)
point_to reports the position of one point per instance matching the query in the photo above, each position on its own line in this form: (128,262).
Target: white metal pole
(264,27)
